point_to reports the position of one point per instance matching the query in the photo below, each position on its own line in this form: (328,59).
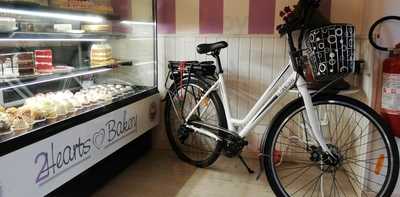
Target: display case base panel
(87,183)
(44,165)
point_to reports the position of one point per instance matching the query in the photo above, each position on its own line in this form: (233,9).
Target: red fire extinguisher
(391,81)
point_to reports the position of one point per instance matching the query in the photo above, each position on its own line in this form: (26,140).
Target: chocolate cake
(25,63)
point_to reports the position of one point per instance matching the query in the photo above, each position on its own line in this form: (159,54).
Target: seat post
(215,54)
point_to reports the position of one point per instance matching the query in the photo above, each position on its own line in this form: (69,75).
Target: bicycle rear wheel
(191,147)
(367,164)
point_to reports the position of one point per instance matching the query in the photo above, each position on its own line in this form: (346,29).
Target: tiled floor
(161,174)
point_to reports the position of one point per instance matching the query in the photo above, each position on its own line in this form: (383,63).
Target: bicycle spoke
(366,168)
(355,146)
(355,140)
(344,128)
(339,120)
(366,159)
(355,178)
(315,186)
(300,174)
(358,182)
(362,154)
(305,130)
(351,132)
(295,168)
(351,184)
(292,145)
(330,193)
(310,182)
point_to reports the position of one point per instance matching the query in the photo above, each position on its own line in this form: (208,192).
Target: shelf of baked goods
(43,110)
(89,13)
(59,73)
(37,66)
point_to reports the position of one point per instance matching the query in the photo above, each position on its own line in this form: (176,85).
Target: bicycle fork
(311,115)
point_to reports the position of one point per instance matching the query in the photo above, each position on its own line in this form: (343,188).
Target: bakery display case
(61,60)
(77,86)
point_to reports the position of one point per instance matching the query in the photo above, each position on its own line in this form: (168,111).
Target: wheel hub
(329,163)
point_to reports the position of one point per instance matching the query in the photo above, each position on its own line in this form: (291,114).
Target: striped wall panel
(261,17)
(211,16)
(225,16)
(166,16)
(123,7)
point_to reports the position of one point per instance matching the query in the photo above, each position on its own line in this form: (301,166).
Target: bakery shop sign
(60,158)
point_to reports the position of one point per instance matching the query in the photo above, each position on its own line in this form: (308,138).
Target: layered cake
(97,28)
(15,64)
(44,61)
(8,65)
(101,7)
(101,55)
(25,64)
(79,4)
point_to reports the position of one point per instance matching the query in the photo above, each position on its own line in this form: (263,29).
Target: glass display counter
(73,73)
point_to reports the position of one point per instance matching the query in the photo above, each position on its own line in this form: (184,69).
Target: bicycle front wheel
(366,164)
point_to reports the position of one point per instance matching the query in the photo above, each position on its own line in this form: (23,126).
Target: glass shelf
(21,81)
(60,36)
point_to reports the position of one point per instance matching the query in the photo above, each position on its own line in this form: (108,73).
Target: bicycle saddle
(206,48)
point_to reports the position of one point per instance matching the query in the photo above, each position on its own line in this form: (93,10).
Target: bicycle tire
(288,112)
(222,122)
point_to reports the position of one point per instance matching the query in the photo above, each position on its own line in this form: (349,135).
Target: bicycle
(318,144)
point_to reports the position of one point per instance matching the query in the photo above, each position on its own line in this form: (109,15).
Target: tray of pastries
(44,109)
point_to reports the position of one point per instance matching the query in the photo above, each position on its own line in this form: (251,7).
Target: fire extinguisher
(390,107)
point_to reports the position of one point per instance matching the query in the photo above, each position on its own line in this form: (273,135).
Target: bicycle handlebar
(372,30)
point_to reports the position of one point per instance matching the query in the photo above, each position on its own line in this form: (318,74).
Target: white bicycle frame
(262,106)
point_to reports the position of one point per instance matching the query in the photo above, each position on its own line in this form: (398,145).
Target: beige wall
(142,10)
(187,16)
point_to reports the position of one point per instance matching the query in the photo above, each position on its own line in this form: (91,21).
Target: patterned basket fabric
(330,50)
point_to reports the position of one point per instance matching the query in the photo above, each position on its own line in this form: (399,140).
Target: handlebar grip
(372,30)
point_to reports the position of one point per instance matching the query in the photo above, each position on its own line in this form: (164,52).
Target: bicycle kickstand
(245,165)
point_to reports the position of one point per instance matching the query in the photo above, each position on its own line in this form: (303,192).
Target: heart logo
(98,138)
(153,111)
